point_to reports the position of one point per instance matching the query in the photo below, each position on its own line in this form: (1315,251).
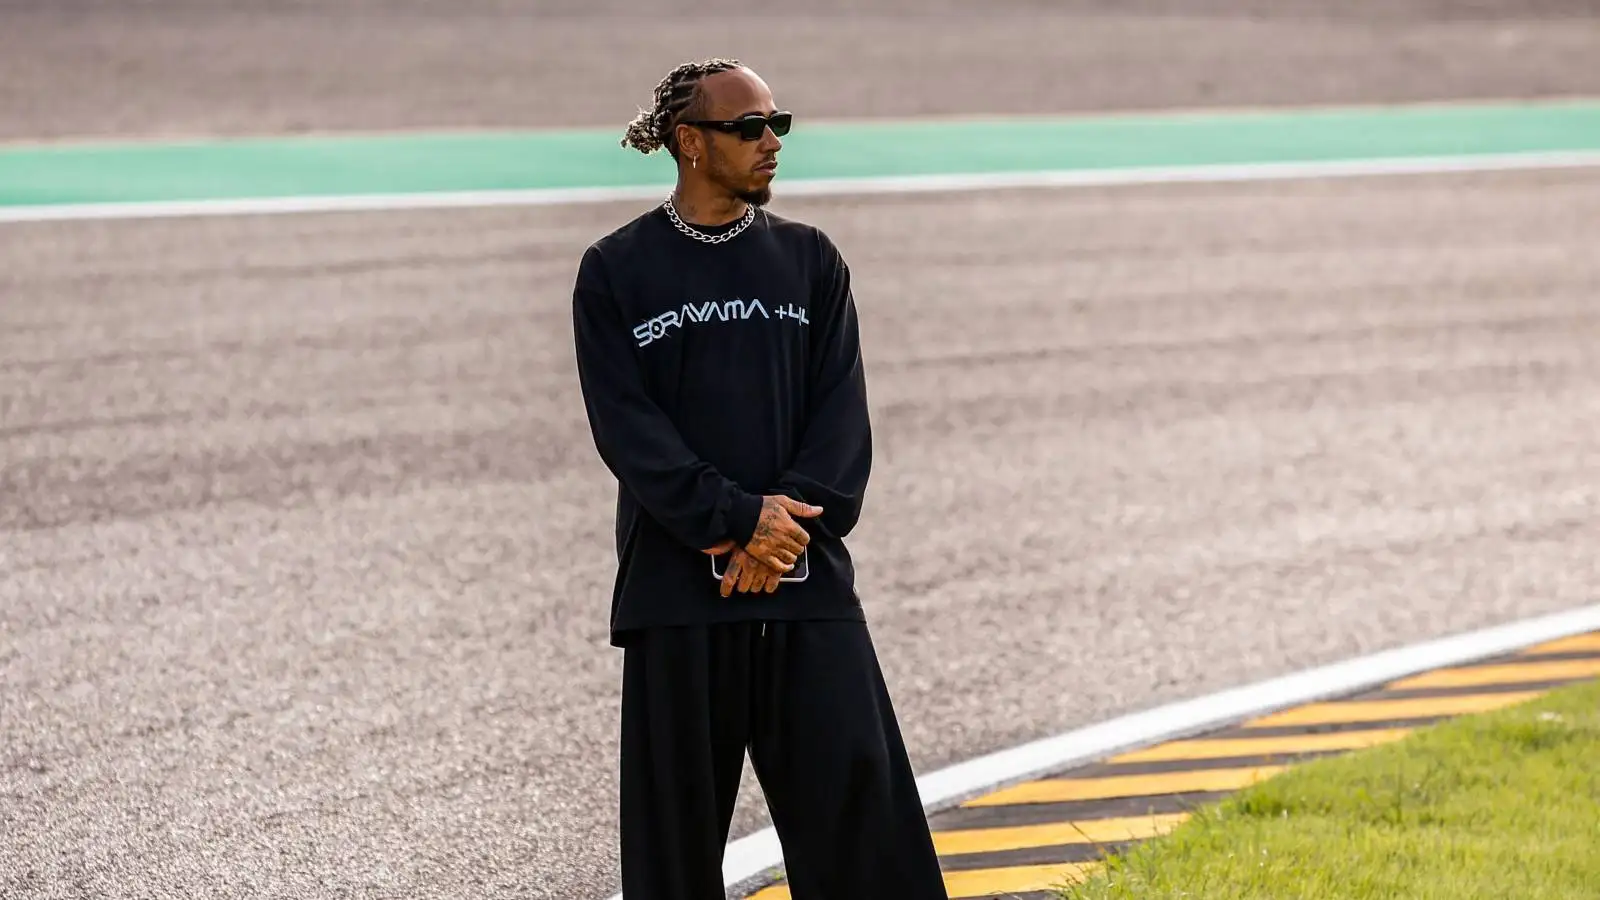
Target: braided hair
(677,94)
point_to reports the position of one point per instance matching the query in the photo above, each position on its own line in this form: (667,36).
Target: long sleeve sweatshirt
(713,374)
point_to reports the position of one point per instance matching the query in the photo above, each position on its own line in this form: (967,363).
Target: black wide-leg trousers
(808,702)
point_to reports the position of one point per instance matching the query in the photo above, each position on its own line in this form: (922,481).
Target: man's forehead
(737,92)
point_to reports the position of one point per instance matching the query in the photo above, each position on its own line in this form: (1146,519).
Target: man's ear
(691,143)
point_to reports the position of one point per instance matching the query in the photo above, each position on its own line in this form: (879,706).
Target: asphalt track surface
(77,68)
(304,549)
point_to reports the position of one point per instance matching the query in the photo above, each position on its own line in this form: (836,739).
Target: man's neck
(701,204)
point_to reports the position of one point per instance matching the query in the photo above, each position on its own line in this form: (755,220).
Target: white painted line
(176,209)
(812,187)
(751,857)
(1187,717)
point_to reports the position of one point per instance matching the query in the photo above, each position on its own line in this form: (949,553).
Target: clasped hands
(773,549)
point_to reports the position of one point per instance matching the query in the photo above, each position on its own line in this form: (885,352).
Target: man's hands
(772,551)
(745,572)
(749,575)
(779,538)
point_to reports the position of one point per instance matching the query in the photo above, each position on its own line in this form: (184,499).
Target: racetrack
(140,68)
(305,551)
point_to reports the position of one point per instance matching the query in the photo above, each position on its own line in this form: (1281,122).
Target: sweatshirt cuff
(743,516)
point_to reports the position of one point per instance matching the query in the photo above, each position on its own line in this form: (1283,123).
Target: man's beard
(760,196)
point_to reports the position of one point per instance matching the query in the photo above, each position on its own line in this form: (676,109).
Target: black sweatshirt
(714,374)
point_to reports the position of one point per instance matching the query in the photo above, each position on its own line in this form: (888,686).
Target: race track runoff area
(1023,842)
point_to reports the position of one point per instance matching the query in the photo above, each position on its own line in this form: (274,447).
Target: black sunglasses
(750,128)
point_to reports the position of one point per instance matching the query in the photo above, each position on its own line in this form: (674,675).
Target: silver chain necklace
(691,231)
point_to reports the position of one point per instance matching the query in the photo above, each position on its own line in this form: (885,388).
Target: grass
(1502,805)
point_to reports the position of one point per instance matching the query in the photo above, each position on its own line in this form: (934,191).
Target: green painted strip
(326,166)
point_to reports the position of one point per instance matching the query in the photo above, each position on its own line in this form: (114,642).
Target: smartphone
(802,569)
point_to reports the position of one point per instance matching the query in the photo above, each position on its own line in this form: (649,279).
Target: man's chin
(760,196)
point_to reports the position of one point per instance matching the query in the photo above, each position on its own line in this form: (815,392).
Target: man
(719,358)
